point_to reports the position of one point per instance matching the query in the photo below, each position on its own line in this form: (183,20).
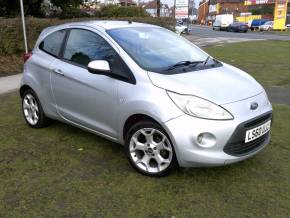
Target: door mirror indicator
(99,67)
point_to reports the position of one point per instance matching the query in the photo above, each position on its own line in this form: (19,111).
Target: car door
(87,99)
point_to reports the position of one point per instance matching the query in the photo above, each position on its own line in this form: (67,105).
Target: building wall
(203,12)
(164,12)
(233,8)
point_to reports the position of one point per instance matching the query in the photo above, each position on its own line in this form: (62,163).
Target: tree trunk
(158,8)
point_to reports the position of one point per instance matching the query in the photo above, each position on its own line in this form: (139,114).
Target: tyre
(32,110)
(149,149)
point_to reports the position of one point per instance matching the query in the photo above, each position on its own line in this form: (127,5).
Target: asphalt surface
(208,32)
(278,95)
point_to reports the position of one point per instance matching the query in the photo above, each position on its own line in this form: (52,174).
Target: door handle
(58,71)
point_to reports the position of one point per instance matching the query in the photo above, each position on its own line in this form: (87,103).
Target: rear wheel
(149,149)
(32,110)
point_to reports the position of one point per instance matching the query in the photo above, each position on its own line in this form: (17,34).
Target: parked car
(288,26)
(222,21)
(267,26)
(238,27)
(249,24)
(167,101)
(255,24)
(180,29)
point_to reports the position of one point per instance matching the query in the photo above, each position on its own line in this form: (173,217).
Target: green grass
(61,171)
(266,61)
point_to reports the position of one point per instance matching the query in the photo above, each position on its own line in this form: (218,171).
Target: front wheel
(149,149)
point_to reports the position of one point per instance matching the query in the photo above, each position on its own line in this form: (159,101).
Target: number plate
(257,132)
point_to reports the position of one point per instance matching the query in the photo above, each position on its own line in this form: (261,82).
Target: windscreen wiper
(184,63)
(206,60)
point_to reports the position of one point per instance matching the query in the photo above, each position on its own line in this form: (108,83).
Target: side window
(52,43)
(84,46)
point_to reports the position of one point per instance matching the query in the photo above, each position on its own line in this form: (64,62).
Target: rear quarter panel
(36,75)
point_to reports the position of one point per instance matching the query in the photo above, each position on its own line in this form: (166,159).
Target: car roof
(106,24)
(101,25)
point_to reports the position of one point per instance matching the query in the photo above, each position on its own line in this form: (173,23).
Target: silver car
(167,101)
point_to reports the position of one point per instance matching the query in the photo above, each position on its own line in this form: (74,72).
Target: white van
(223,21)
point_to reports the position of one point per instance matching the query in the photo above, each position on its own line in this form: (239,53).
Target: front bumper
(185,129)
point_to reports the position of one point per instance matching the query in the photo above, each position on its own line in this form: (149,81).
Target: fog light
(206,140)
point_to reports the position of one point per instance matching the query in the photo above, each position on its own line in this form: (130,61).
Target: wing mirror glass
(99,67)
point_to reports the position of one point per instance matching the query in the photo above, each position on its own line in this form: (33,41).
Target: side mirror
(99,67)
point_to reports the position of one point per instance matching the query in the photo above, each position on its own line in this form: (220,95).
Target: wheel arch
(23,89)
(135,118)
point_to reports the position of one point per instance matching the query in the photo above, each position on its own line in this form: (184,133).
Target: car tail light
(26,56)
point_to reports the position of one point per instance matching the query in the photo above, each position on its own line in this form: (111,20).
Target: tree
(11,8)
(67,3)
(158,8)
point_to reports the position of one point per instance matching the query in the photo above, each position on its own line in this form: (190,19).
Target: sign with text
(181,9)
(280,14)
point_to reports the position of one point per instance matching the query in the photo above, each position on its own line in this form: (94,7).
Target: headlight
(198,107)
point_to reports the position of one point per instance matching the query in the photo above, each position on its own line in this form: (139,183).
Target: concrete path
(9,83)
(279,95)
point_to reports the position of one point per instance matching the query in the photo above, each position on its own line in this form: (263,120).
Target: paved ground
(206,36)
(208,32)
(206,41)
(279,95)
(9,83)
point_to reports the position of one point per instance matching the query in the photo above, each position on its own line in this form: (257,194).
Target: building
(151,8)
(235,7)
(203,12)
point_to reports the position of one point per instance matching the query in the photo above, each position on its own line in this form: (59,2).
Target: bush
(11,35)
(49,10)
(121,11)
(70,13)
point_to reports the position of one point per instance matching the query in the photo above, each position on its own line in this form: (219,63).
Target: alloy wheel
(150,150)
(30,109)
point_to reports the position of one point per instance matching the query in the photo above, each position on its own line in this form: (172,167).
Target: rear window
(52,43)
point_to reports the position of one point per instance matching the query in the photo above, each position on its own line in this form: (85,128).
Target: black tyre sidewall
(42,121)
(130,133)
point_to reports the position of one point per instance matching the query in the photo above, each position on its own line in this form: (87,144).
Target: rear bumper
(184,132)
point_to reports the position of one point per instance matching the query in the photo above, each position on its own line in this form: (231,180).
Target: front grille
(242,148)
(236,146)
(258,121)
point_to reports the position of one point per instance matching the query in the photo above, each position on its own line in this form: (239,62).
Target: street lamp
(23,26)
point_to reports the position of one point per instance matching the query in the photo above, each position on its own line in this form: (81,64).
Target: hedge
(11,35)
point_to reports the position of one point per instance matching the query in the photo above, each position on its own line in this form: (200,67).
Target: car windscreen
(157,49)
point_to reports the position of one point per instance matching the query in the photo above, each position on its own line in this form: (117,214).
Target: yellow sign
(246,19)
(218,8)
(280,14)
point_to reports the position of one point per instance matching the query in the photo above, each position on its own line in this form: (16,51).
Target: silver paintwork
(99,65)
(102,104)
